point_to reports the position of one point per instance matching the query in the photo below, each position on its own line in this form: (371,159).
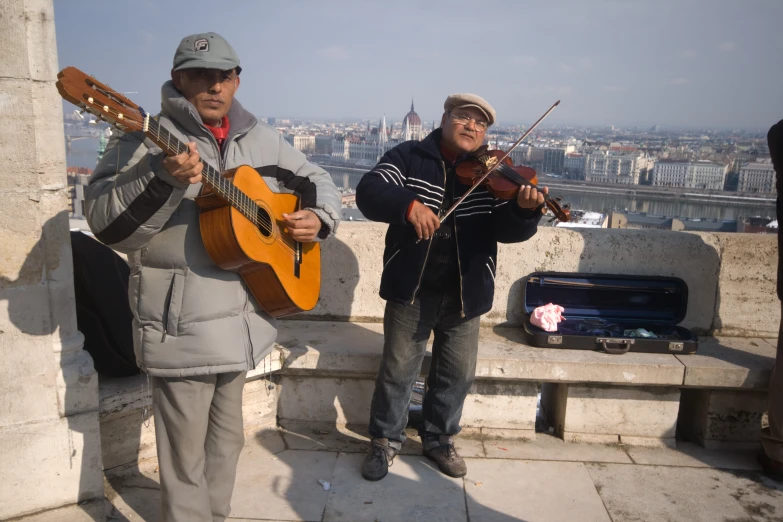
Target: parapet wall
(731,277)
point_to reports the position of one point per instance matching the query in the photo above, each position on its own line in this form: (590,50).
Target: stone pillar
(637,416)
(722,419)
(49,436)
(496,409)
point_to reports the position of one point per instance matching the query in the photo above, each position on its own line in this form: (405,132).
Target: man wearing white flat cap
(437,277)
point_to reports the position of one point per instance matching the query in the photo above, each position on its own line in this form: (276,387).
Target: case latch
(624,345)
(554,339)
(676,347)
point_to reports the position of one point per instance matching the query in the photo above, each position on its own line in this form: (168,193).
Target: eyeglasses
(463,120)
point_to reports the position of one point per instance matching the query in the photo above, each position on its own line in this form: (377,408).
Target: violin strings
(515,176)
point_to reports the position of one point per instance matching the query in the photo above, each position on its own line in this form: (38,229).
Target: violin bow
(471,189)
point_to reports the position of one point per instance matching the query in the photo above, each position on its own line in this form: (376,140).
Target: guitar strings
(241,200)
(221,183)
(248,207)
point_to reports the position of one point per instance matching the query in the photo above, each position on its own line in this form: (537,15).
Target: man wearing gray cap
(197,328)
(437,277)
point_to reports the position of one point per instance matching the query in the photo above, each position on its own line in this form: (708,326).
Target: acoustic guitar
(240,217)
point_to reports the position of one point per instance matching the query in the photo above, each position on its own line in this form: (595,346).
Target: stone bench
(718,395)
(323,376)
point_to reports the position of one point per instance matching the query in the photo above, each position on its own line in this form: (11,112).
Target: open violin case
(611,313)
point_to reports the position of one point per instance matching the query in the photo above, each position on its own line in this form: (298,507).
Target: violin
(505,179)
(477,172)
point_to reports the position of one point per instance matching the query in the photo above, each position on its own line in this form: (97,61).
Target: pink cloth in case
(546,317)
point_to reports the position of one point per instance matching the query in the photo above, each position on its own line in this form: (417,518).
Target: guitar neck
(211,177)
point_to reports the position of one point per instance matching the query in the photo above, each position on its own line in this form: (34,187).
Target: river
(83,154)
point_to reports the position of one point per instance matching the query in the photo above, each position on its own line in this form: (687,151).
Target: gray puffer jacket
(191,317)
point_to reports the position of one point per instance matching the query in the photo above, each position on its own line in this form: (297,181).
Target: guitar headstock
(100,100)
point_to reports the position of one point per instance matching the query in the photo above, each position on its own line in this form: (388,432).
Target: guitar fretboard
(211,177)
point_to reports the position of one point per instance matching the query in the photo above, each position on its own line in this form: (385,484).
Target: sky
(674,63)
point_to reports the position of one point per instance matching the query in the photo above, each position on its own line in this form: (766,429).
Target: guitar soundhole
(264,222)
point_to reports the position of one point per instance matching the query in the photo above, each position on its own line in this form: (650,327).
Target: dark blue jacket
(415,170)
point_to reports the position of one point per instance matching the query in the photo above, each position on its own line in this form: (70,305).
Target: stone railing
(731,277)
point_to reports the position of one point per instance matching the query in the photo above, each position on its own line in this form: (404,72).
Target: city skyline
(631,63)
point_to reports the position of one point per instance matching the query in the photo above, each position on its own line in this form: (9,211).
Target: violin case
(606,312)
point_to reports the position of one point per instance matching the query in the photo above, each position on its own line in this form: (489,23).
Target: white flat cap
(456,101)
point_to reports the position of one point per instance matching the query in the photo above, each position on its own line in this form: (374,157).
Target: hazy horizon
(682,65)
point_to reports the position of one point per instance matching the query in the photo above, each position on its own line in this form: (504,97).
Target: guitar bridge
(297,258)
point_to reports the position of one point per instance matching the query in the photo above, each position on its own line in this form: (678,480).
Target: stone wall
(731,277)
(49,436)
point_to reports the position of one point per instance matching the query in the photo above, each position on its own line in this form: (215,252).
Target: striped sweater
(415,170)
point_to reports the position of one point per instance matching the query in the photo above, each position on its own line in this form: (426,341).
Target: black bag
(103,314)
(613,313)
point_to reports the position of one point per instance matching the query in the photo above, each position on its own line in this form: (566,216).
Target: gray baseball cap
(205,51)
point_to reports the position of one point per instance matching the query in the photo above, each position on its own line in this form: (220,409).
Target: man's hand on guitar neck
(302,225)
(185,167)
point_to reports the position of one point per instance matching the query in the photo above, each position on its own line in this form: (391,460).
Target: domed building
(411,126)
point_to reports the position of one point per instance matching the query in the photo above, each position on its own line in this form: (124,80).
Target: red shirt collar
(220,133)
(448,155)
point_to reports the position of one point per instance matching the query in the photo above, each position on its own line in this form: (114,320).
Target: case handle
(625,345)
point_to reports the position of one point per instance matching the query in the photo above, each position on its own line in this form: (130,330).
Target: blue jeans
(406,329)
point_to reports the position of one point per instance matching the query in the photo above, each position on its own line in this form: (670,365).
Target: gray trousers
(772,437)
(199,434)
(406,329)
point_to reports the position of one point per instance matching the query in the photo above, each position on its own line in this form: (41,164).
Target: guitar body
(282,280)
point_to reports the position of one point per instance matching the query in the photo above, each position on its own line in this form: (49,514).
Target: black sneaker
(441,450)
(379,458)
(772,468)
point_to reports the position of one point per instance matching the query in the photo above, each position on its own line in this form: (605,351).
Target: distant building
(536,157)
(638,221)
(709,225)
(616,167)
(581,219)
(554,159)
(757,177)
(341,148)
(302,142)
(356,149)
(520,155)
(323,144)
(574,165)
(411,126)
(699,174)
(271,121)
(757,225)
(78,178)
(369,148)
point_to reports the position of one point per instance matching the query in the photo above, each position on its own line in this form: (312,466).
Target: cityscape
(603,367)
(614,177)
